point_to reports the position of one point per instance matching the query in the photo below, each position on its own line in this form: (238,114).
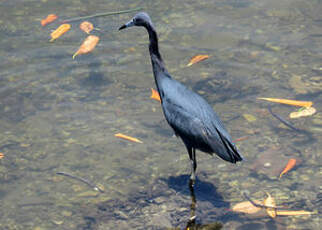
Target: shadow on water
(145,206)
(191,224)
(221,83)
(89,74)
(95,76)
(204,191)
(253,226)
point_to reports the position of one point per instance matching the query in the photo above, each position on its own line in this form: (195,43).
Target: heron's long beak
(128,24)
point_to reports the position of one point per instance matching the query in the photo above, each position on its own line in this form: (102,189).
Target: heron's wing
(231,153)
(194,120)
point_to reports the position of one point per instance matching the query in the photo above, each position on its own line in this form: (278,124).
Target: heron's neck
(159,70)
(154,46)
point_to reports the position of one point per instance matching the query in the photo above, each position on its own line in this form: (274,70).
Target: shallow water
(59,114)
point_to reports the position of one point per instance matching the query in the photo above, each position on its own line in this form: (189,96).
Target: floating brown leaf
(247,207)
(133,139)
(86,26)
(251,207)
(309,111)
(50,18)
(155,95)
(88,45)
(270,201)
(288,102)
(197,58)
(59,31)
(290,164)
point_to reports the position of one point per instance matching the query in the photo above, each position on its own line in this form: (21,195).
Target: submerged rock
(304,85)
(270,162)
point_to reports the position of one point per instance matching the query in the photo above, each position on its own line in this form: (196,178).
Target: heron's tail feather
(231,153)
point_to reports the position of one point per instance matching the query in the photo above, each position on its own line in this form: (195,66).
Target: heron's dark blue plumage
(194,120)
(189,115)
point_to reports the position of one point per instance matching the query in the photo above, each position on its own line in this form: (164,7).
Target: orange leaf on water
(155,95)
(88,45)
(290,164)
(292,213)
(1,155)
(270,201)
(50,18)
(86,26)
(241,138)
(247,207)
(59,31)
(197,58)
(120,135)
(288,102)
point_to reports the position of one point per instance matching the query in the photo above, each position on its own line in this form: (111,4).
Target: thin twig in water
(96,188)
(285,122)
(46,204)
(99,15)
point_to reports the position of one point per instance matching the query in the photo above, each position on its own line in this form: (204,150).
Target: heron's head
(140,19)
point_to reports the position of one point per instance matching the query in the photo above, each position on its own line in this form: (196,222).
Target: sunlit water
(59,114)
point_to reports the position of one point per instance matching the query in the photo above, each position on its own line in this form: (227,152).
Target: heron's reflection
(205,192)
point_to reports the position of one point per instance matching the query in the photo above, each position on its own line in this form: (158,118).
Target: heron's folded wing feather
(193,129)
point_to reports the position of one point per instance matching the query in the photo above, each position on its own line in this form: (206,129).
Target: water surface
(59,114)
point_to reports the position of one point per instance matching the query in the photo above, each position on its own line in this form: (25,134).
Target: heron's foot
(193,218)
(191,222)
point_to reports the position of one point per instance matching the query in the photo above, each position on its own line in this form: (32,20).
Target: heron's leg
(194,163)
(193,160)
(192,220)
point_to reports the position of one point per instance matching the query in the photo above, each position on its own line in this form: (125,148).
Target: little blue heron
(189,115)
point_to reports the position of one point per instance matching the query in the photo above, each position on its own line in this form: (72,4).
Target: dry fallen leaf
(59,31)
(24,145)
(197,58)
(309,111)
(253,206)
(155,95)
(270,201)
(50,18)
(249,117)
(254,54)
(88,45)
(247,207)
(86,26)
(290,164)
(120,135)
(1,155)
(292,213)
(288,102)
